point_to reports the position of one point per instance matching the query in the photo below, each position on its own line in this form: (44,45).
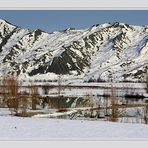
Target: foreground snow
(42,128)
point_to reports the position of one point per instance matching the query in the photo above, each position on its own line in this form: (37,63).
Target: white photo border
(74,4)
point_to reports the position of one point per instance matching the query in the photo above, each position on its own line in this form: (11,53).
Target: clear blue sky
(54,20)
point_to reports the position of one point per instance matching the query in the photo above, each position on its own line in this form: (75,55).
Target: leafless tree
(114,106)
(23,105)
(146,77)
(59,84)
(146,113)
(34,95)
(10,92)
(106,100)
(3,92)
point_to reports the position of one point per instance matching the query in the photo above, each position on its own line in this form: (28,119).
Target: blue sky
(54,20)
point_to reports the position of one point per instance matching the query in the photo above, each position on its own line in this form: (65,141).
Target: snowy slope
(102,52)
(36,128)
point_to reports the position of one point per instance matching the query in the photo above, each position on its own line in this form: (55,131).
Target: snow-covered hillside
(102,52)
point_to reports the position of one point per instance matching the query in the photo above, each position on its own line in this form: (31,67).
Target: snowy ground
(13,128)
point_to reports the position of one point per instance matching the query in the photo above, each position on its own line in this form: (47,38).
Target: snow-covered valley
(92,76)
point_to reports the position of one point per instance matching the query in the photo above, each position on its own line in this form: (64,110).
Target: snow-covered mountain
(102,52)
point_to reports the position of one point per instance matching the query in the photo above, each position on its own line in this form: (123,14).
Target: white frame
(73,4)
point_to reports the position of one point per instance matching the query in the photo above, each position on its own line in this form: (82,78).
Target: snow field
(42,128)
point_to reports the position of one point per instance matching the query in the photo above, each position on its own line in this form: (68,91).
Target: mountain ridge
(103,52)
